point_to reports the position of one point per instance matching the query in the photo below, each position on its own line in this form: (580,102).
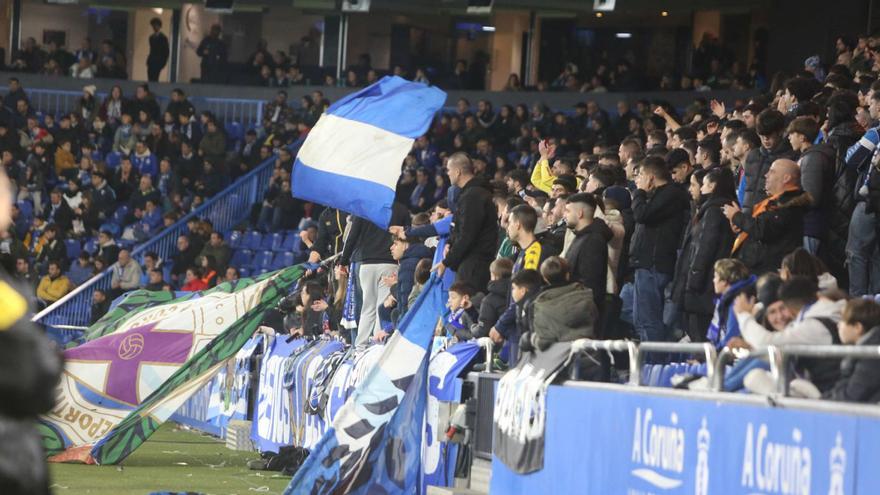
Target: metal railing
(779,358)
(227,110)
(225,210)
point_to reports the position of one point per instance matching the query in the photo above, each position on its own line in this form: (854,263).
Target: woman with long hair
(708,238)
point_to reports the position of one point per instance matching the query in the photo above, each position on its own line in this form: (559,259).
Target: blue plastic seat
(235,238)
(252,240)
(654,378)
(241,258)
(119,216)
(263,260)
(111,227)
(97,156)
(91,245)
(26,208)
(113,159)
(276,241)
(73,248)
(266,243)
(283,260)
(666,375)
(290,241)
(244,272)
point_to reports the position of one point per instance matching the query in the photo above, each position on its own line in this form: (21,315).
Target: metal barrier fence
(227,110)
(225,210)
(778,357)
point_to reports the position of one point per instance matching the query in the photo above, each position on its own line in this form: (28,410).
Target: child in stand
(495,301)
(317,318)
(462,313)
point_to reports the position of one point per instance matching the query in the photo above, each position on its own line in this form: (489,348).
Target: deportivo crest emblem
(131,346)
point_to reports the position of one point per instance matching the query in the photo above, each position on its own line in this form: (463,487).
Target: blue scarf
(724,325)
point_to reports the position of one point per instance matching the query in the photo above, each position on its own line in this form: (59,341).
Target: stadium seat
(244,272)
(235,238)
(241,258)
(262,260)
(113,159)
(252,240)
(282,260)
(654,378)
(119,216)
(112,228)
(91,245)
(97,156)
(666,375)
(73,248)
(276,241)
(26,208)
(290,241)
(267,243)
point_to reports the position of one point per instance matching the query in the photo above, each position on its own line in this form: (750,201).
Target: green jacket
(563,313)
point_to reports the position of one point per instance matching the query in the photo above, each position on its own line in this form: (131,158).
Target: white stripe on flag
(351,148)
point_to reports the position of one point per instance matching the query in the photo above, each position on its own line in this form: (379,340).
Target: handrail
(779,356)
(240,193)
(488,344)
(707,349)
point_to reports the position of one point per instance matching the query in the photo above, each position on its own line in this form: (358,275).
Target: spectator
(83,69)
(407,253)
(277,110)
(184,258)
(232,274)
(775,226)
(817,177)
(25,275)
(707,239)
(144,161)
(370,247)
(212,147)
(100,305)
(52,249)
(54,285)
(193,281)
(108,251)
(770,125)
(462,313)
(159,51)
(474,237)
(587,256)
(731,278)
(217,249)
(154,280)
(81,270)
(145,192)
(212,50)
(858,325)
(145,101)
(815,323)
(124,139)
(14,94)
(658,208)
(126,274)
(563,311)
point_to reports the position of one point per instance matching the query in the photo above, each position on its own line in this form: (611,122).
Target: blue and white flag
(352,157)
(374,443)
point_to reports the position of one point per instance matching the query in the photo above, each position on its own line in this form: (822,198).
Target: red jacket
(196,285)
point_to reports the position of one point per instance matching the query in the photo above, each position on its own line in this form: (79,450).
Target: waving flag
(374,443)
(117,389)
(352,157)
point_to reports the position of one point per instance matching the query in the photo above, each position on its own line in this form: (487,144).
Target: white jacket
(805,329)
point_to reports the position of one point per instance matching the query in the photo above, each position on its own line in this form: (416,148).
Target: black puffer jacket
(708,239)
(658,229)
(757,165)
(773,234)
(587,258)
(475,225)
(859,377)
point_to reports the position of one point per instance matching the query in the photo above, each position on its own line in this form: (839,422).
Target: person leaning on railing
(859,378)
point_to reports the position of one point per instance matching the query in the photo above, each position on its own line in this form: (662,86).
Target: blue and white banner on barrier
(604,441)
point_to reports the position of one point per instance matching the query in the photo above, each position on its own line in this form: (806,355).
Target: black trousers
(153,72)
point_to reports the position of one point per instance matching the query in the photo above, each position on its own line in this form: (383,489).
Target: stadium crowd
(741,226)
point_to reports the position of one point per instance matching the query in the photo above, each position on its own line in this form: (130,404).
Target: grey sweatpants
(374,294)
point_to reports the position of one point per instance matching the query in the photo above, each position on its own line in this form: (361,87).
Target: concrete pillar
(195,24)
(506,48)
